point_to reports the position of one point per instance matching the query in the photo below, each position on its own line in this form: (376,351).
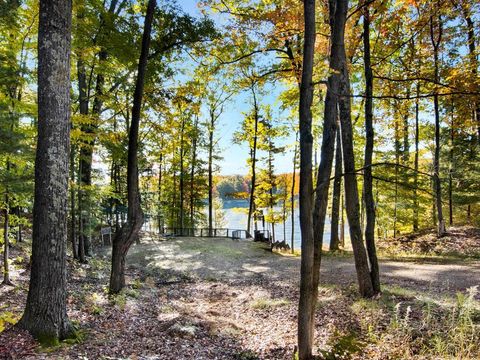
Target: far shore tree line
(382,101)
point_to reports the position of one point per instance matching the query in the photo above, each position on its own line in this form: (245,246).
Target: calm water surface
(236,218)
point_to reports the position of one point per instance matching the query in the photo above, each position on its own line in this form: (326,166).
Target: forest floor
(200,298)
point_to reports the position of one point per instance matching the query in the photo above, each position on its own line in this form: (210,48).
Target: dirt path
(237,261)
(205,299)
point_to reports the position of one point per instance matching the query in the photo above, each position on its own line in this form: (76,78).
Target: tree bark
(160,197)
(436,160)
(210,171)
(369,143)
(451,165)
(90,127)
(182,177)
(415,175)
(351,190)
(6,243)
(307,290)
(253,157)
(473,56)
(45,313)
(73,215)
(192,174)
(129,232)
(337,187)
(292,194)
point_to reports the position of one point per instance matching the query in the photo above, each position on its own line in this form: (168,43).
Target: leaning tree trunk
(351,189)
(436,160)
(337,189)
(129,231)
(369,139)
(45,313)
(307,291)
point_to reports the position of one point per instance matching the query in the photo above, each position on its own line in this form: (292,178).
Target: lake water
(236,213)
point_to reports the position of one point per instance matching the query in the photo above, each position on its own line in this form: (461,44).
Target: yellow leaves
(7,318)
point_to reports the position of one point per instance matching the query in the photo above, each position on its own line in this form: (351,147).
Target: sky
(235,156)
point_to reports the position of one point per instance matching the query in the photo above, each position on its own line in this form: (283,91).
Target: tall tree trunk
(192,175)
(182,178)
(415,175)
(86,149)
(253,157)
(91,127)
(473,56)
(45,313)
(436,160)
(73,215)
(450,171)
(369,142)
(18,212)
(307,288)
(210,172)
(292,194)
(174,214)
(351,190)
(160,197)
(81,238)
(6,243)
(342,217)
(337,188)
(397,168)
(129,232)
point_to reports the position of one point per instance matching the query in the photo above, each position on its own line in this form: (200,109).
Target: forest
(250,179)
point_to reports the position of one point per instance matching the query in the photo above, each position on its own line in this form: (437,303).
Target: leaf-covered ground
(192,298)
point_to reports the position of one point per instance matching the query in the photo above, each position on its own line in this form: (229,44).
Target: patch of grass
(342,346)
(119,300)
(133,293)
(458,333)
(246,355)
(265,303)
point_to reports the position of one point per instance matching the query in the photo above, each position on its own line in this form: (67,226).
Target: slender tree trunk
(369,143)
(73,215)
(192,175)
(342,218)
(45,315)
(182,178)
(307,288)
(292,193)
(397,166)
(91,127)
(253,152)
(81,239)
(210,172)
(129,232)
(436,160)
(6,243)
(337,188)
(160,174)
(415,175)
(351,190)
(450,172)
(473,57)
(20,226)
